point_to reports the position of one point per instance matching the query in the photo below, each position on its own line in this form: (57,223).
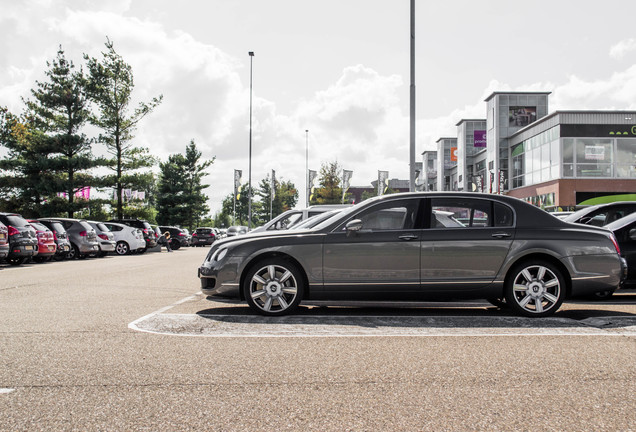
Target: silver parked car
(105,238)
(127,239)
(419,246)
(290,218)
(82,237)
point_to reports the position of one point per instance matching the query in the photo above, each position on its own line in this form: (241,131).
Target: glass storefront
(546,157)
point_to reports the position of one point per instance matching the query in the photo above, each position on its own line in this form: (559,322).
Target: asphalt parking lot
(129,343)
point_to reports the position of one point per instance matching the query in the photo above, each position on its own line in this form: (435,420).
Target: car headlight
(218,254)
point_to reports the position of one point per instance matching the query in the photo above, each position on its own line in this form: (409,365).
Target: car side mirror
(353,226)
(632,234)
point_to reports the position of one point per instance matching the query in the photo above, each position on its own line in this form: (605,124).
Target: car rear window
(17,221)
(85,225)
(39,226)
(204,231)
(102,227)
(57,227)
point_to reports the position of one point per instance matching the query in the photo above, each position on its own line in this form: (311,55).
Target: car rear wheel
(535,289)
(174,244)
(274,287)
(122,248)
(73,252)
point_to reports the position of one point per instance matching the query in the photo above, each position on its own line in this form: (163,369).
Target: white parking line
(252,326)
(134,325)
(6,390)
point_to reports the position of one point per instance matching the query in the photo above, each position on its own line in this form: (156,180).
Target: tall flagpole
(249,192)
(412,110)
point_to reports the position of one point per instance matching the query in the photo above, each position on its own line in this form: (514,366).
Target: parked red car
(46,241)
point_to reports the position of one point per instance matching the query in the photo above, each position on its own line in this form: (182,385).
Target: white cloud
(619,50)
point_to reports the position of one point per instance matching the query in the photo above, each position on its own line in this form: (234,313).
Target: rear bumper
(107,246)
(22,250)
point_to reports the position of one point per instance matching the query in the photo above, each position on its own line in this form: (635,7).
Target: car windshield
(315,220)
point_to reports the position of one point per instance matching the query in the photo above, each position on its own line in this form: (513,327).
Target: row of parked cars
(59,238)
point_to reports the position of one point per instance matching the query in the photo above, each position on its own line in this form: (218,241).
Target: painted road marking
(6,390)
(256,326)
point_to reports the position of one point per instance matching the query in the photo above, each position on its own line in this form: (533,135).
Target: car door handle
(500,235)
(408,237)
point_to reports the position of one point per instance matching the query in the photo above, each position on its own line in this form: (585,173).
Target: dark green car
(419,246)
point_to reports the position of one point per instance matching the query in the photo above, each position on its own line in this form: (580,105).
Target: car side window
(461,213)
(392,215)
(503,215)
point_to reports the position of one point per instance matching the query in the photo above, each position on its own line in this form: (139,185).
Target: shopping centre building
(557,160)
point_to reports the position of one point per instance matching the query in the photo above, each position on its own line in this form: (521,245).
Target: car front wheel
(274,287)
(535,289)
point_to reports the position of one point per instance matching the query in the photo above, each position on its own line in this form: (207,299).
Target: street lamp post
(249,181)
(307,167)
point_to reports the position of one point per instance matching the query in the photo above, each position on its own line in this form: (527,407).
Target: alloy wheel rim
(536,289)
(273,288)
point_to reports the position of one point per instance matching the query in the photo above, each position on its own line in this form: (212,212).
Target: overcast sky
(338,68)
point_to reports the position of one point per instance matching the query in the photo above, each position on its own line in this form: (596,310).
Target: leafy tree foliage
(110,86)
(285,198)
(47,152)
(181,200)
(330,191)
(238,215)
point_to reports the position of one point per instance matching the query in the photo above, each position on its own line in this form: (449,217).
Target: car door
(466,243)
(384,255)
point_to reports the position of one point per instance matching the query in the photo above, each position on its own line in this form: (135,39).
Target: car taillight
(41,234)
(102,236)
(181,234)
(146,231)
(54,235)
(618,249)
(194,234)
(13,230)
(83,233)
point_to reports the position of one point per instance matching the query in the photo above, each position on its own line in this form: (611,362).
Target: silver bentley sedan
(419,246)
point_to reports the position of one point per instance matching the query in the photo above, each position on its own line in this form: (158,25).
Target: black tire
(122,248)
(16,261)
(274,287)
(73,253)
(174,244)
(499,302)
(603,295)
(535,289)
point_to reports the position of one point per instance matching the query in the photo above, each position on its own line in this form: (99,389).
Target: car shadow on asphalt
(477,316)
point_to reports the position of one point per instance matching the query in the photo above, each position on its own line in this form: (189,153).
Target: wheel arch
(273,254)
(538,256)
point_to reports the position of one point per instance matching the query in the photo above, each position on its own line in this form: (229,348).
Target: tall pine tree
(181,200)
(50,152)
(110,87)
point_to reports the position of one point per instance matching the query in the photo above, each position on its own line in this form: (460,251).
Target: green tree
(110,86)
(240,216)
(285,198)
(49,151)
(21,179)
(181,200)
(329,191)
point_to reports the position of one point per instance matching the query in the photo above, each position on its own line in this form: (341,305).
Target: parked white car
(128,239)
